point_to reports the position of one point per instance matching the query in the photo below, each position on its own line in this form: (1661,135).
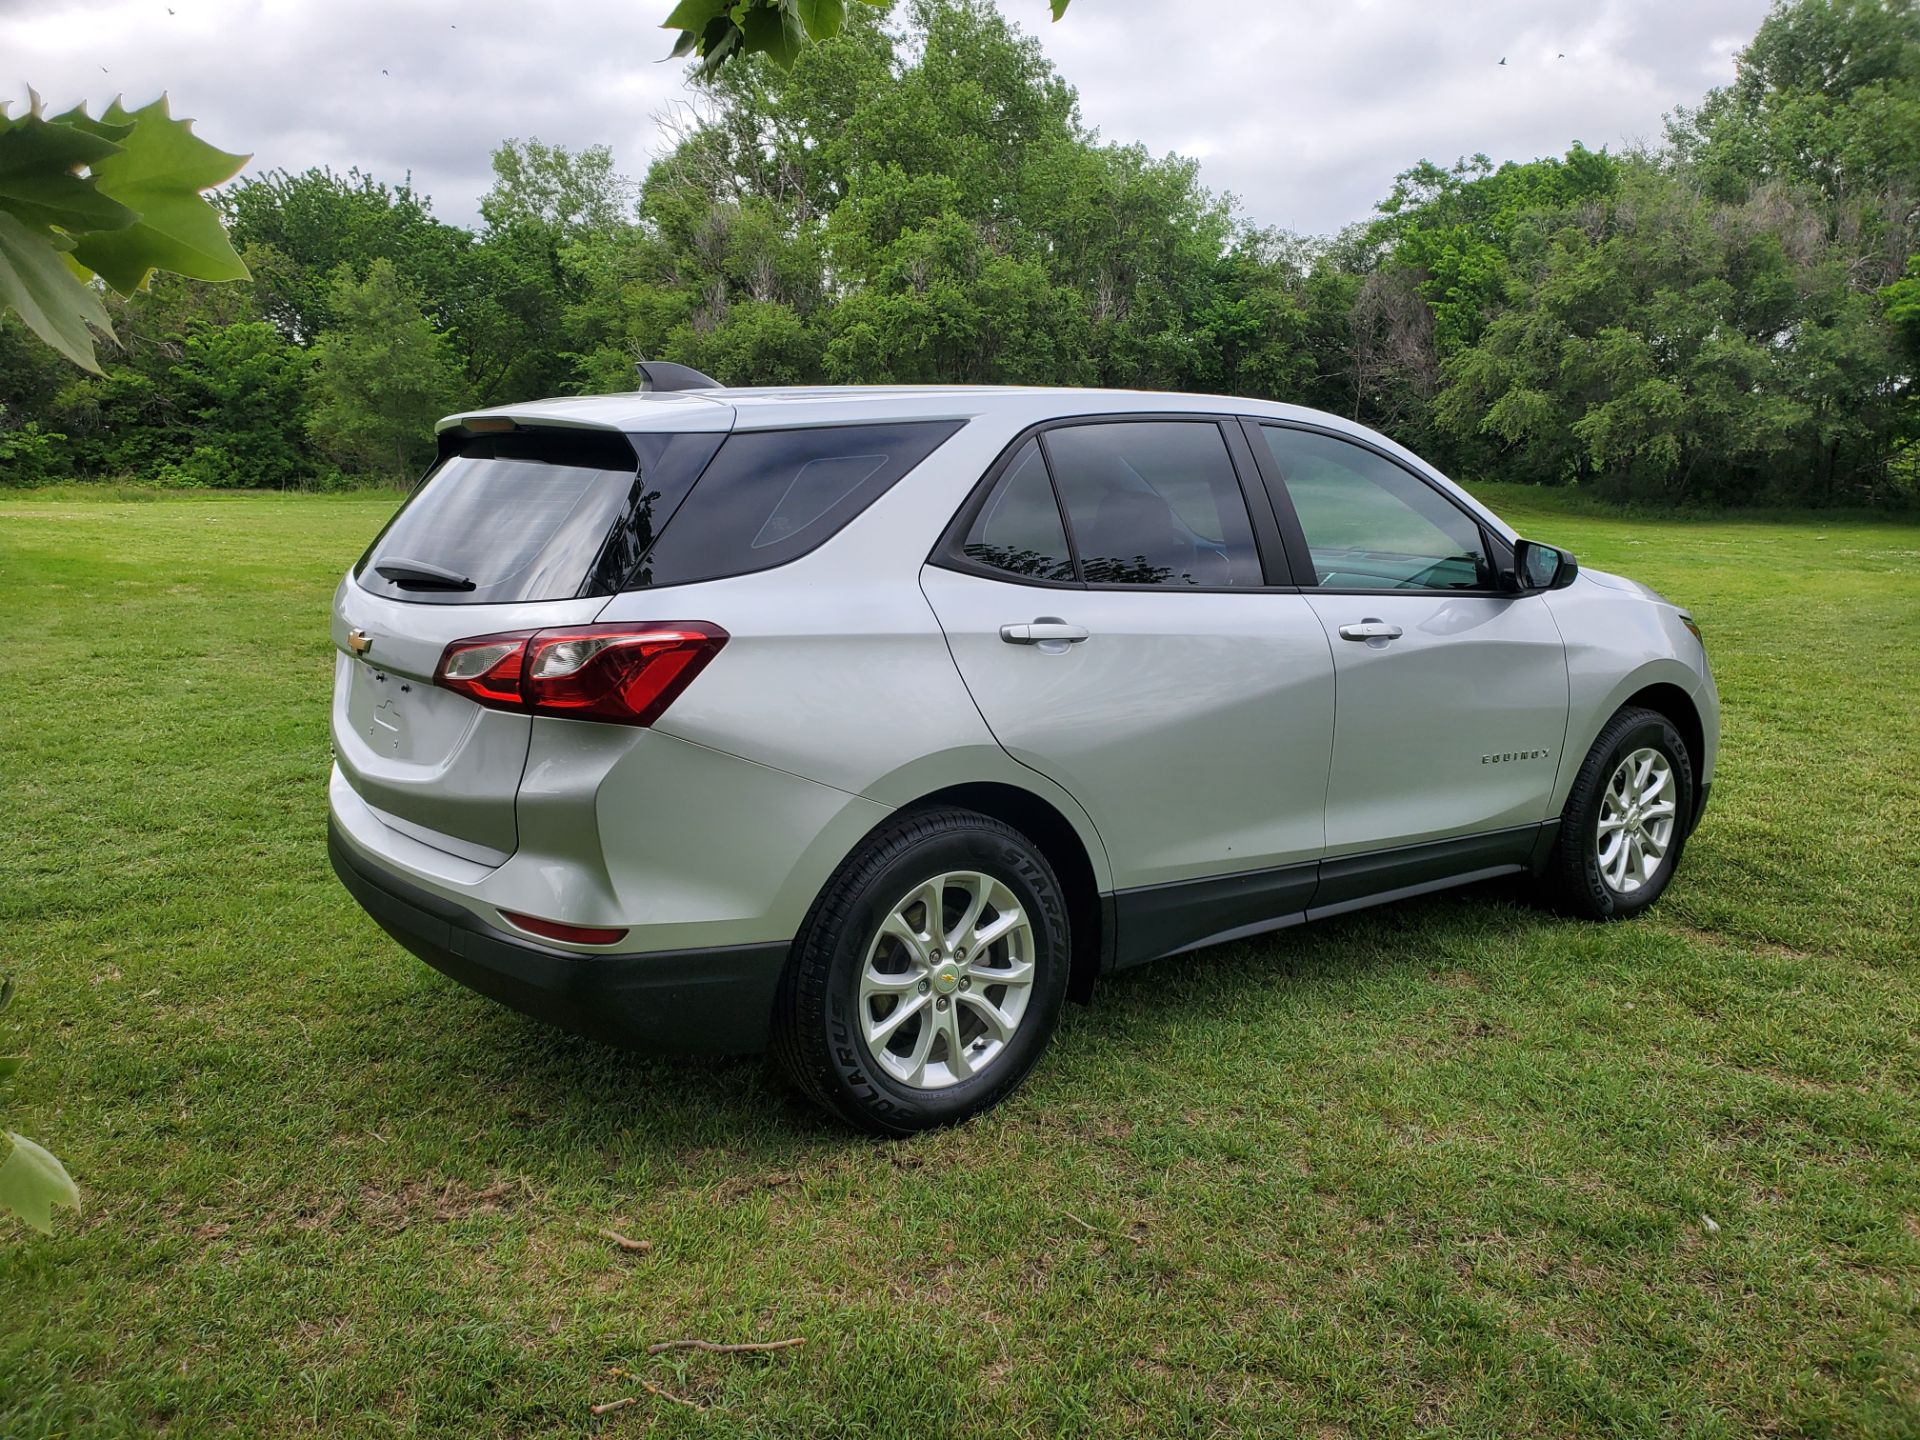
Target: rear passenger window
(1019,528)
(1154,502)
(771,496)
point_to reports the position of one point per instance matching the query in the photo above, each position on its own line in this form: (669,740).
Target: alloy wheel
(946,980)
(1636,824)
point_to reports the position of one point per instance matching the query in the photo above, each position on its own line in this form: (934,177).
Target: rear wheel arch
(1057,838)
(863,946)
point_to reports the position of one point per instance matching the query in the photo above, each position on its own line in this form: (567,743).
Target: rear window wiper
(419,575)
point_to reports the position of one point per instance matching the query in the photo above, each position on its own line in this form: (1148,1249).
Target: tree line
(1731,317)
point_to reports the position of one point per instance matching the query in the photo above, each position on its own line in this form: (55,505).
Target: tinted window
(1019,528)
(1154,502)
(533,515)
(770,496)
(1372,525)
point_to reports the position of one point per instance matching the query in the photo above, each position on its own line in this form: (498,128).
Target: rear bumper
(690,1001)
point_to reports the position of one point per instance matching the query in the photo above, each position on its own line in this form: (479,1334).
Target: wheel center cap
(945,975)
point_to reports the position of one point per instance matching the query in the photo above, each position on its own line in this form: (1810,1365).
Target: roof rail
(665,375)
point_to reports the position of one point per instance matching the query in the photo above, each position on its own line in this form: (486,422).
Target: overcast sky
(1305,113)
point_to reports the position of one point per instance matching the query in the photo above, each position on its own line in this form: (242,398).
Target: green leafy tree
(30,454)
(1673,348)
(1900,303)
(721,30)
(761,338)
(311,224)
(244,386)
(135,416)
(1827,94)
(569,193)
(380,377)
(911,194)
(1457,229)
(499,297)
(931,210)
(545,201)
(116,197)
(32,1182)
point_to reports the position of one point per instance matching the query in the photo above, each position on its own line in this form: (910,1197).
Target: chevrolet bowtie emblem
(359,641)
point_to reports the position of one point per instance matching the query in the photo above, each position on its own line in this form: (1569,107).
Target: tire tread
(1571,882)
(799,1043)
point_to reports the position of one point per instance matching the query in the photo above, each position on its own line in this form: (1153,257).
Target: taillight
(488,670)
(627,674)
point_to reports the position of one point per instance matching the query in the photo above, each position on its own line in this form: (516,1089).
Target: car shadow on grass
(533,1088)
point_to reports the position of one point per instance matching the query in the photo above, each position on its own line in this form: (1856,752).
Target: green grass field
(1438,1168)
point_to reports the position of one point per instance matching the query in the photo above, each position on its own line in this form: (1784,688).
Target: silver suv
(871,724)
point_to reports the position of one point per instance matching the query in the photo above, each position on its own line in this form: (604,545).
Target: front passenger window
(1371,525)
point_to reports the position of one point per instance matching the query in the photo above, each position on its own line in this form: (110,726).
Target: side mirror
(1542,567)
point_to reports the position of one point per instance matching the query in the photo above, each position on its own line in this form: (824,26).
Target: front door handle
(1042,631)
(1370,629)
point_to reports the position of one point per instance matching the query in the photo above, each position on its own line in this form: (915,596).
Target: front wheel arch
(1667,688)
(1572,879)
(1677,707)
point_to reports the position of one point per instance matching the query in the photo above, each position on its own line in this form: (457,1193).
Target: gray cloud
(1304,112)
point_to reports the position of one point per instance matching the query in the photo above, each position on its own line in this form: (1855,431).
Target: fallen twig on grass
(631,1246)
(653,1389)
(713,1348)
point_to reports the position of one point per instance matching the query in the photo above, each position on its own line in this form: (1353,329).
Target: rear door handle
(1370,629)
(1039,632)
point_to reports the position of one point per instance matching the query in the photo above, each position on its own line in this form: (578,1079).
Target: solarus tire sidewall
(1581,886)
(817,1031)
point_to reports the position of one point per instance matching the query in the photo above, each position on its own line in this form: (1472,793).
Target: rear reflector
(571,934)
(626,674)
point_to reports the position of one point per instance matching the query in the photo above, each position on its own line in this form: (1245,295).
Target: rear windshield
(549,515)
(534,515)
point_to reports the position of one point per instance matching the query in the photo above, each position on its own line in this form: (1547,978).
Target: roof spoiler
(665,375)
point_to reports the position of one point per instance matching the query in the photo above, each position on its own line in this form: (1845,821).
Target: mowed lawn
(1443,1168)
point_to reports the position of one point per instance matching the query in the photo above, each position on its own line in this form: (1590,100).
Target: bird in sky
(1503,59)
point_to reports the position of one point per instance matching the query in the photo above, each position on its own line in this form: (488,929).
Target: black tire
(817,1037)
(1574,881)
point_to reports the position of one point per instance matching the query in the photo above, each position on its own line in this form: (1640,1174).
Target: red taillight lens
(487,669)
(572,934)
(627,674)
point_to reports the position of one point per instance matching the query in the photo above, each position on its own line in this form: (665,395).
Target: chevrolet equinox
(868,725)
